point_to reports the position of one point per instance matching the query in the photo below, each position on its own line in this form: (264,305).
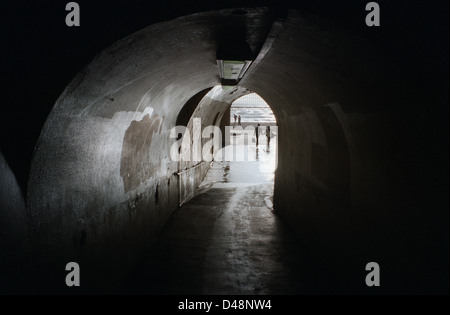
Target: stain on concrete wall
(136,165)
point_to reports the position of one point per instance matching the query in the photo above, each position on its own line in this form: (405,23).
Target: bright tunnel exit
(252,135)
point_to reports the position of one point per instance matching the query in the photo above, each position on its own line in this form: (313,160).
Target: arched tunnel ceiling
(414,34)
(153,63)
(101,167)
(145,67)
(107,138)
(154,72)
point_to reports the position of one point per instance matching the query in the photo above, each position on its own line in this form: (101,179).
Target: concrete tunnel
(102,184)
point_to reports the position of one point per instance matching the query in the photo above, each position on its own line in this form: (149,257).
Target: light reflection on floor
(227,239)
(255,164)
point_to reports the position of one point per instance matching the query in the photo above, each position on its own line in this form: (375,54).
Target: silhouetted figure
(268,135)
(235,117)
(257,134)
(239,120)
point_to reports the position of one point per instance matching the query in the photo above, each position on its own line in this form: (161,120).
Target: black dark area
(40,55)
(186,112)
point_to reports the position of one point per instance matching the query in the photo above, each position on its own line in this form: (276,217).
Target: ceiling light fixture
(233,60)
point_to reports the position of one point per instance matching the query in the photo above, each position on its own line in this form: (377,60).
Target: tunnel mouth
(252,117)
(230,108)
(254,109)
(238,129)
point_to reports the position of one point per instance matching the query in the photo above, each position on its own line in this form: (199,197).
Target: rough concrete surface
(102,184)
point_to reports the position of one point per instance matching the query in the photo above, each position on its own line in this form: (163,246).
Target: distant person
(239,120)
(235,117)
(268,135)
(257,134)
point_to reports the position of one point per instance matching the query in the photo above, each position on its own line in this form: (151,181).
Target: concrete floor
(228,239)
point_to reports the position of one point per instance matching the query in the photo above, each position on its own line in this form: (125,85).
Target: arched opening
(253,109)
(252,140)
(253,136)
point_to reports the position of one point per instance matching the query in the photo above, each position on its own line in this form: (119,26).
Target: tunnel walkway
(227,239)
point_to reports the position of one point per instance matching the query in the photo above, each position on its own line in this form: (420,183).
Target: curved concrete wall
(102,183)
(333,95)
